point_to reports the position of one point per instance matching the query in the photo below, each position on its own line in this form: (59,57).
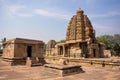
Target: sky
(48,19)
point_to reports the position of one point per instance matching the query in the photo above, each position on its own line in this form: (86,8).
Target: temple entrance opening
(29,51)
(94,55)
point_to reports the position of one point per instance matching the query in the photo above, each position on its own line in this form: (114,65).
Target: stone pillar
(68,51)
(91,53)
(63,50)
(57,51)
(97,52)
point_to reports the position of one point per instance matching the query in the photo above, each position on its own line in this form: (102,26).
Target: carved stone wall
(80,39)
(79,27)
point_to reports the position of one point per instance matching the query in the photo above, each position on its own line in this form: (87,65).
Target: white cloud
(109,14)
(24,14)
(54,14)
(19,10)
(16,10)
(42,12)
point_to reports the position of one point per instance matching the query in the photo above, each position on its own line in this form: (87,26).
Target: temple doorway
(29,51)
(83,47)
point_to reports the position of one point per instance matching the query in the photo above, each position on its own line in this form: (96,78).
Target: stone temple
(80,40)
(17,50)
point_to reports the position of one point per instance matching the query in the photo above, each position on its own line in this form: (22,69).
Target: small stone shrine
(20,51)
(80,40)
(50,47)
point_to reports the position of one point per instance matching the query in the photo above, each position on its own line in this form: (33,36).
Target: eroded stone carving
(79,27)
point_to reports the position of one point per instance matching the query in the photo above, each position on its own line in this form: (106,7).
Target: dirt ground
(40,73)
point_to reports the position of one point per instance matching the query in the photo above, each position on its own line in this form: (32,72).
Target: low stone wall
(104,63)
(22,61)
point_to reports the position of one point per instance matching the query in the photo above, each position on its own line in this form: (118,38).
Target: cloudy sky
(48,19)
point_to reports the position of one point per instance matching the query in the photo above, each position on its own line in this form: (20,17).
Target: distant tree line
(112,42)
(1,43)
(61,41)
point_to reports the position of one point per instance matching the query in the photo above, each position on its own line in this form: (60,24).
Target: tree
(116,47)
(61,41)
(107,40)
(1,43)
(111,42)
(3,40)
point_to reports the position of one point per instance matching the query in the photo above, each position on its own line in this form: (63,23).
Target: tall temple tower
(80,28)
(80,39)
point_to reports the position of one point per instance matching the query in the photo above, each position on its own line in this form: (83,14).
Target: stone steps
(34,61)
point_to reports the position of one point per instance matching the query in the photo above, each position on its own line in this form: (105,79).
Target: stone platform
(14,61)
(64,70)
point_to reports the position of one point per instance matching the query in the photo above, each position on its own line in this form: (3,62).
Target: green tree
(116,47)
(1,43)
(111,42)
(107,40)
(61,41)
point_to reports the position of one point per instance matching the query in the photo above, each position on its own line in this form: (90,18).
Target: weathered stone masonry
(80,40)
(17,50)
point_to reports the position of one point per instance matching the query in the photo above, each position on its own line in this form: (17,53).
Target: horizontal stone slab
(61,67)
(64,70)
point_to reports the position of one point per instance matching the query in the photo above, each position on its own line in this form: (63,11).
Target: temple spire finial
(80,10)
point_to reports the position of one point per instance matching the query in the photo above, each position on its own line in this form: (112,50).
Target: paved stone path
(40,73)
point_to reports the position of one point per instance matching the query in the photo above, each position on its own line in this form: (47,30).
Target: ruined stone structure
(17,50)
(50,47)
(80,39)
